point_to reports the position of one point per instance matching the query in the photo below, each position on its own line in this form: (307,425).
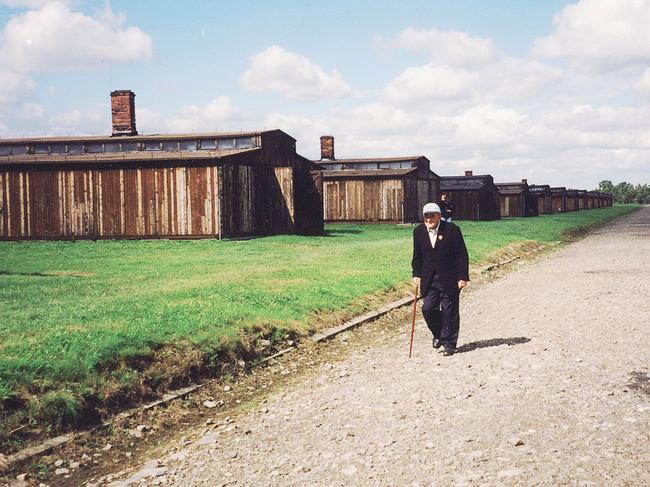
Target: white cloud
(220,114)
(490,125)
(149,121)
(54,38)
(32,111)
(463,70)
(79,121)
(447,47)
(14,86)
(503,80)
(430,82)
(600,35)
(510,78)
(643,85)
(30,4)
(293,76)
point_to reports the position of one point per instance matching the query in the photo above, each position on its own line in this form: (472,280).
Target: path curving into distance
(550,388)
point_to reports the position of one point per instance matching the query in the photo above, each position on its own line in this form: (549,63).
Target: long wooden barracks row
(215,185)
(521,199)
(127,185)
(394,189)
(378,189)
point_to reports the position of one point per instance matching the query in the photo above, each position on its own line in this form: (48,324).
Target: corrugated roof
(370,173)
(512,188)
(325,162)
(539,188)
(142,156)
(138,138)
(474,182)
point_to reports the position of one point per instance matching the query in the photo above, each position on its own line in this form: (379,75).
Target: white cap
(431,208)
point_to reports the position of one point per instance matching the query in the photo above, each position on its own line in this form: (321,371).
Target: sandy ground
(550,387)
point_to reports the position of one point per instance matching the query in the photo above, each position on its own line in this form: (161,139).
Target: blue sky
(556,92)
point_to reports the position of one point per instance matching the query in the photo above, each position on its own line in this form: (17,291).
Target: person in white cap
(441,268)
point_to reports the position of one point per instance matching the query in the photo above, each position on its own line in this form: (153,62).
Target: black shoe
(448,351)
(436,343)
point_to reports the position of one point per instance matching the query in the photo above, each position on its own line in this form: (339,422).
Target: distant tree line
(626,192)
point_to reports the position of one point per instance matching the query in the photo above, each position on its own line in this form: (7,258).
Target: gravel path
(550,388)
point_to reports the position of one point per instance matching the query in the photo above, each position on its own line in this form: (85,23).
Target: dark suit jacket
(449,260)
(447,208)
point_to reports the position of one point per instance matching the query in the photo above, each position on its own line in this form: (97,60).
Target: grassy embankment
(86,325)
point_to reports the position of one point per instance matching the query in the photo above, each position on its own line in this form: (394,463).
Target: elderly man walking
(441,268)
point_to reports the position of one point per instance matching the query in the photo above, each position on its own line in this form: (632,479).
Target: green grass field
(78,317)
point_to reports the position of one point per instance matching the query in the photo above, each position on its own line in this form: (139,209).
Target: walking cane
(415,302)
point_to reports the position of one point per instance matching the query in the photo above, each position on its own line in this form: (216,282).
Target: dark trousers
(440,311)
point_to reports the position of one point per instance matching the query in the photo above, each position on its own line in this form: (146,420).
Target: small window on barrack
(170,145)
(188,145)
(244,142)
(226,144)
(130,147)
(41,148)
(75,149)
(94,148)
(152,145)
(208,144)
(111,147)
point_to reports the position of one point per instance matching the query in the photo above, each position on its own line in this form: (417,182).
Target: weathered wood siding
(572,202)
(146,202)
(544,204)
(257,200)
(483,205)
(308,192)
(103,203)
(559,203)
(513,205)
(364,200)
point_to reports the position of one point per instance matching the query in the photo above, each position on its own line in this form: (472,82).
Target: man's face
(431,220)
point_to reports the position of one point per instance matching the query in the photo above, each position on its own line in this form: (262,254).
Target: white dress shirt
(433,236)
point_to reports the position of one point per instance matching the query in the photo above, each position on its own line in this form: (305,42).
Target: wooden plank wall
(483,205)
(258,200)
(544,204)
(108,203)
(559,203)
(364,200)
(427,193)
(571,204)
(465,204)
(308,195)
(281,199)
(489,207)
(513,205)
(412,205)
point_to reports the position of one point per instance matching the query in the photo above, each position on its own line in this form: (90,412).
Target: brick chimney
(123,112)
(525,181)
(327,147)
(469,173)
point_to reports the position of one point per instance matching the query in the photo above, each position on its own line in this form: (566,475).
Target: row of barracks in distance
(127,185)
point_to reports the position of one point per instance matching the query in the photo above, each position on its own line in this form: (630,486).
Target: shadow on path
(492,342)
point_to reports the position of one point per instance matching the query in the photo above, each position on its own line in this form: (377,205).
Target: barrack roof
(137,138)
(512,188)
(475,181)
(371,159)
(113,157)
(368,173)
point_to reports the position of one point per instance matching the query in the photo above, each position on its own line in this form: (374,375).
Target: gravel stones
(535,402)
